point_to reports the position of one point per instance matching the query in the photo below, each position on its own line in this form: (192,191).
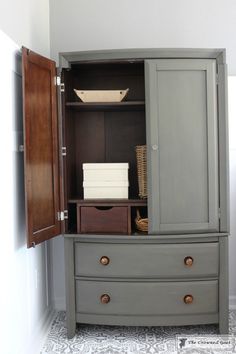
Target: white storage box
(106,190)
(103,172)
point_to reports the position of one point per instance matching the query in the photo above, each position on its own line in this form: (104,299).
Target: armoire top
(68,58)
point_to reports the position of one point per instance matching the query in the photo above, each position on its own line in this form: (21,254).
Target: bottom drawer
(146,298)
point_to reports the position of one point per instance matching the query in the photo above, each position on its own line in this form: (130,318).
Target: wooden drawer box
(147,260)
(103,219)
(147,298)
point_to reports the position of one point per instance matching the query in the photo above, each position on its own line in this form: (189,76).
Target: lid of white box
(95,184)
(92,166)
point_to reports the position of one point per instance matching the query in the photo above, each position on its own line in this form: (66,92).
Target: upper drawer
(142,260)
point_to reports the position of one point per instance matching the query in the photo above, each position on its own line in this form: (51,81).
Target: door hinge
(62,215)
(217,79)
(219,213)
(59,83)
(63,150)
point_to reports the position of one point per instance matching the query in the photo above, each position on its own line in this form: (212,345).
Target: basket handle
(138,214)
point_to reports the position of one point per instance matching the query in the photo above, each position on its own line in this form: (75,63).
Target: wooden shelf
(108,106)
(109,202)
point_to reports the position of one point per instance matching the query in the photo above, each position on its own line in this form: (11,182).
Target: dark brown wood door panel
(41,148)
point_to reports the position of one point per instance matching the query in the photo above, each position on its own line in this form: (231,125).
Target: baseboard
(232,302)
(39,334)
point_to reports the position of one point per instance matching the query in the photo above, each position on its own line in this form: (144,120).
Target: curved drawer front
(139,298)
(146,260)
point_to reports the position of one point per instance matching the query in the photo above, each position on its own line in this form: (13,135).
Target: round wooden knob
(188,299)
(104,260)
(105,298)
(188,261)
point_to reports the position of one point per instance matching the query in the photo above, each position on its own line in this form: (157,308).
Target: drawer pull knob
(104,260)
(105,298)
(188,299)
(188,261)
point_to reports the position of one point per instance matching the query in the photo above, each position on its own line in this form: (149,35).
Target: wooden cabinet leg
(70,287)
(70,330)
(223,287)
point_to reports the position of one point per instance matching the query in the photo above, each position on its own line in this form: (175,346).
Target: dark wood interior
(107,76)
(103,132)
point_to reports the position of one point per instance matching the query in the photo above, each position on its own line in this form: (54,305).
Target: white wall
(232,165)
(27,23)
(106,24)
(78,25)
(23,272)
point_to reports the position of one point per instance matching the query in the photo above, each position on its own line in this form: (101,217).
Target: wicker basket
(141,156)
(141,224)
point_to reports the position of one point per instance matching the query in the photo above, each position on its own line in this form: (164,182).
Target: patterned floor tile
(94,339)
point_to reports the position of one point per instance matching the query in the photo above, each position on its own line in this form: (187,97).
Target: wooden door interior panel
(41,147)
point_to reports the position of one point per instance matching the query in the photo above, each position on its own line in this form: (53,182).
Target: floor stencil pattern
(94,339)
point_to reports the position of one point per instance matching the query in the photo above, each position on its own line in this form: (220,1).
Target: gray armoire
(177,273)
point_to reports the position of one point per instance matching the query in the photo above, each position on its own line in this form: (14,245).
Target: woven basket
(141,156)
(141,224)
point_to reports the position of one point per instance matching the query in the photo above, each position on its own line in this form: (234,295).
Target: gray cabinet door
(181,109)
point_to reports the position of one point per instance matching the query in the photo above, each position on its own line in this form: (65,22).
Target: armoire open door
(41,158)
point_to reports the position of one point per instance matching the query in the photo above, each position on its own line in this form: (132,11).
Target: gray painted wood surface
(190,238)
(224,287)
(223,148)
(66,59)
(182,145)
(154,298)
(159,320)
(221,314)
(146,261)
(70,287)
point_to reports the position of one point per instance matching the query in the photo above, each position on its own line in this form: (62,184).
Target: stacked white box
(105,180)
